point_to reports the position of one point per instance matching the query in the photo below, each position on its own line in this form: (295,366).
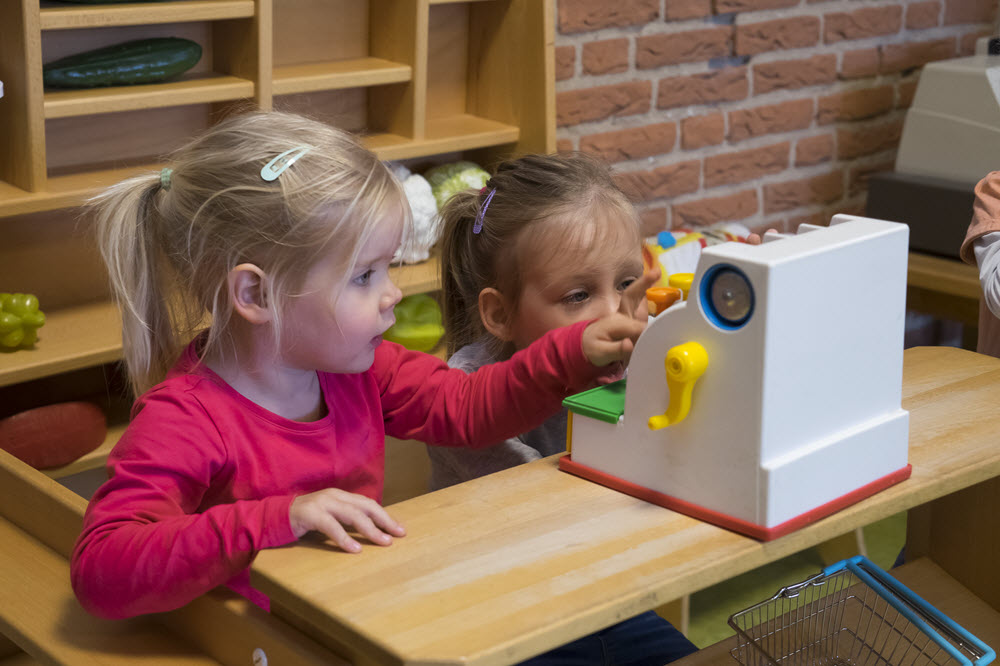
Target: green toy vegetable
(138,61)
(418,323)
(448,179)
(20,320)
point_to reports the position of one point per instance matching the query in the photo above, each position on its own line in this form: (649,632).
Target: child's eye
(364,279)
(626,283)
(576,297)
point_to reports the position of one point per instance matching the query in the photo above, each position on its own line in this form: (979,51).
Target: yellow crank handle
(685,364)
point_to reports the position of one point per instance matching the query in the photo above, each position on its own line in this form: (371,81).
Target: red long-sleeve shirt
(203,478)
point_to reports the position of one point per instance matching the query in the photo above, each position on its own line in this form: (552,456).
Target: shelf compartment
(445,134)
(56,17)
(92,101)
(63,191)
(73,338)
(336,75)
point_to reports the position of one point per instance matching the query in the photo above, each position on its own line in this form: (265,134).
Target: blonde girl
(268,423)
(549,242)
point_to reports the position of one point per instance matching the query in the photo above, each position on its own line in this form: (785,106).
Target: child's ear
(247,290)
(495,312)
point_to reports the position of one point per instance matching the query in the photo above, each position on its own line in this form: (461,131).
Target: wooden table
(510,565)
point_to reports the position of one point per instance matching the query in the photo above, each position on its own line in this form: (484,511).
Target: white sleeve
(987,251)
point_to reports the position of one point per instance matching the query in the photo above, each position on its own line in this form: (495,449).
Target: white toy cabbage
(426,228)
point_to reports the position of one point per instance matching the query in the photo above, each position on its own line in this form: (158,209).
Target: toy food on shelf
(53,435)
(418,323)
(677,251)
(20,320)
(448,179)
(138,61)
(426,229)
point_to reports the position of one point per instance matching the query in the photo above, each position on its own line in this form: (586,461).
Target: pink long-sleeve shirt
(203,478)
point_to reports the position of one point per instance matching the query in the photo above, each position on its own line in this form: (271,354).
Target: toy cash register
(770,396)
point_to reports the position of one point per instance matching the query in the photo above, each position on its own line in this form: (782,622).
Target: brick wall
(767,112)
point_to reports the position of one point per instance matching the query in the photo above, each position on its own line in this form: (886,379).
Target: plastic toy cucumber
(138,61)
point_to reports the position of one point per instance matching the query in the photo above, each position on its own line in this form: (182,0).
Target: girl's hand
(611,339)
(633,303)
(327,511)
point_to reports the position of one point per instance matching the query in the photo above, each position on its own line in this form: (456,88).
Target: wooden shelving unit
(422,80)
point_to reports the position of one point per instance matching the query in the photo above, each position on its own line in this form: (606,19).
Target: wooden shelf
(445,135)
(89,335)
(202,90)
(61,17)
(63,191)
(74,338)
(355,73)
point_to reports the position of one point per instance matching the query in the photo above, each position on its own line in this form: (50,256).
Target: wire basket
(855,613)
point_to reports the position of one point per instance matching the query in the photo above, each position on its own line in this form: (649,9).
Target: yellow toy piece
(684,364)
(681,281)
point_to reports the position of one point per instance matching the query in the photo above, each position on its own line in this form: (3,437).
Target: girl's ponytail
(126,235)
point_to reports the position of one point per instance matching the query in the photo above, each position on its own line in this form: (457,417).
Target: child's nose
(392,296)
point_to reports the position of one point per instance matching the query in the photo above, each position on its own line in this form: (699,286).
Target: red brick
(822,189)
(666,181)
(859,64)
(589,104)
(727,6)
(791,33)
(677,10)
(723,85)
(760,120)
(586,15)
(814,150)
(689,46)
(787,74)
(609,56)
(901,57)
(868,139)
(923,15)
(968,11)
(700,131)
(745,165)
(905,90)
(564,146)
(703,212)
(631,144)
(855,104)
(565,62)
(859,175)
(652,221)
(862,23)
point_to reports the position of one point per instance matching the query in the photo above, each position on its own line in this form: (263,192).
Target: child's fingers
(611,339)
(633,303)
(335,532)
(757,239)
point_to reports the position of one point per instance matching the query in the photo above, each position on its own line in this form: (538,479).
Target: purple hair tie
(478,225)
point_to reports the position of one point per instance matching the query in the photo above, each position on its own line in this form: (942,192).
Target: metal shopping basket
(852,612)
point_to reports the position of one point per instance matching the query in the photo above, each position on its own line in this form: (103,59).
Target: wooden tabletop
(510,565)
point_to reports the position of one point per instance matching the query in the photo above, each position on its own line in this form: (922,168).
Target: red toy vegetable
(53,435)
